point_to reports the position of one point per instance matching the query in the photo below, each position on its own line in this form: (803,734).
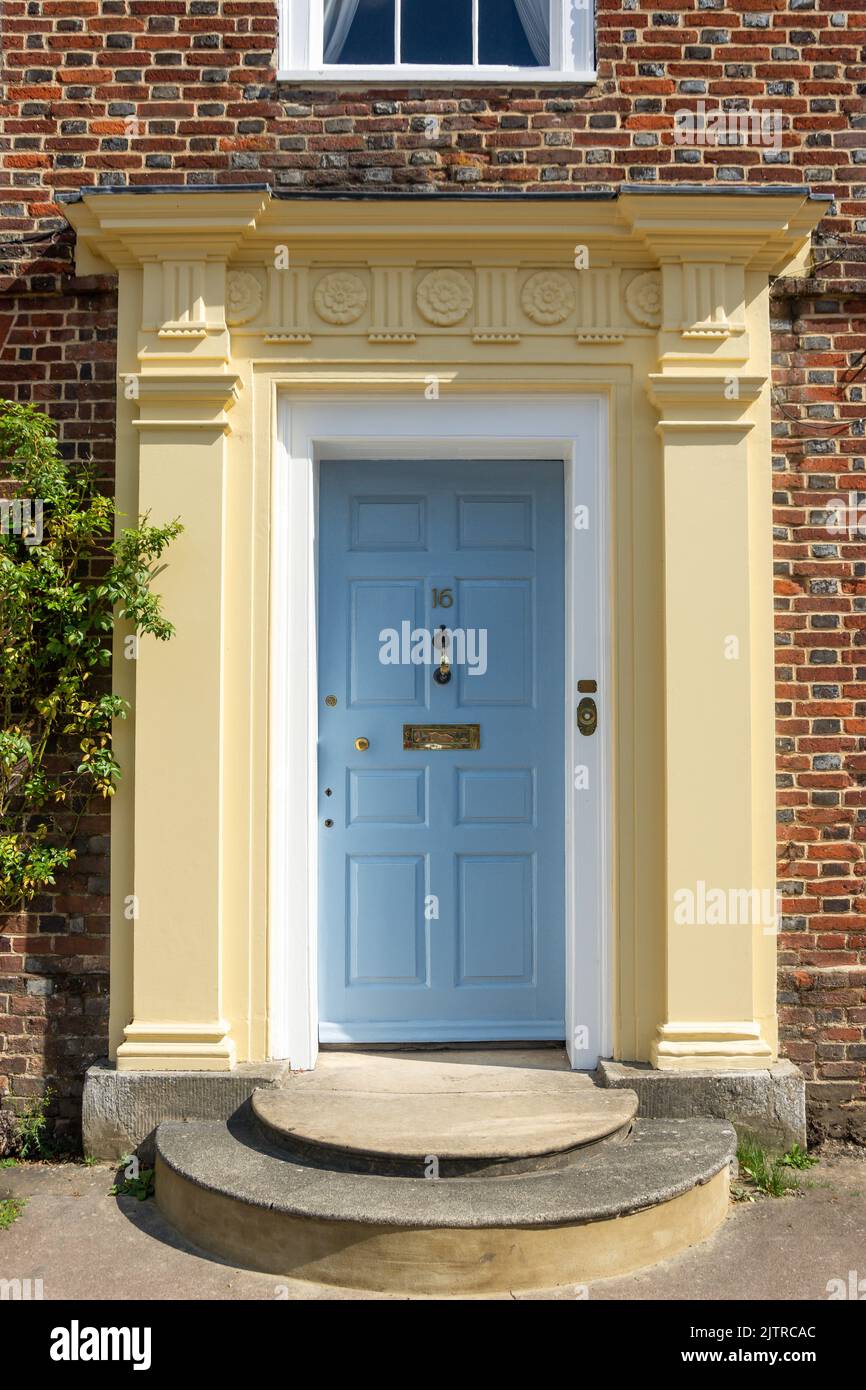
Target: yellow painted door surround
(657,299)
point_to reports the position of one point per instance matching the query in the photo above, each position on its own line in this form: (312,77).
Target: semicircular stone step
(411,1114)
(624,1206)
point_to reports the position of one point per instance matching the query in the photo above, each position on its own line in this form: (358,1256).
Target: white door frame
(570,427)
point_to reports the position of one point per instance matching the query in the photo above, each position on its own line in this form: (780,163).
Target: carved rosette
(340,297)
(643,299)
(444,297)
(243,297)
(548,298)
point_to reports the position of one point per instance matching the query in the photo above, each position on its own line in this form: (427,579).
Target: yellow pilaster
(720,879)
(178,1018)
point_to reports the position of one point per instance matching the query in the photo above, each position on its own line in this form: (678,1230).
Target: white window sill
(345,75)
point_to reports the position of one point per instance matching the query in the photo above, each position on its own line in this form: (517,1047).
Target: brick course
(146,92)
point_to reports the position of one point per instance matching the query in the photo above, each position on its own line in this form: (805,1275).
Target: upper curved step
(395,1115)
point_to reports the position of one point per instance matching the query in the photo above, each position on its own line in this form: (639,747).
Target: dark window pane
(437,31)
(370,36)
(503,40)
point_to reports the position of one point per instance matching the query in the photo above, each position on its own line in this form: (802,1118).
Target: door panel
(497,796)
(387,796)
(373,606)
(386,942)
(494,523)
(496,918)
(442,871)
(389,523)
(502,608)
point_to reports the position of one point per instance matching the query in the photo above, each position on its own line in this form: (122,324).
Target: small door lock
(362,744)
(587,716)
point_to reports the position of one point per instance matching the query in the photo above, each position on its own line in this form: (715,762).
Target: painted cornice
(760,230)
(128,229)
(237,274)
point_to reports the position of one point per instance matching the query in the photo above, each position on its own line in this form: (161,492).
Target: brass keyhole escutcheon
(362,744)
(587,716)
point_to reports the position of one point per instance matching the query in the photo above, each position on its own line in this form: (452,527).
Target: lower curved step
(622,1208)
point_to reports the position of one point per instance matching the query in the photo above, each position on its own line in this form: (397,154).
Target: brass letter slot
(440,737)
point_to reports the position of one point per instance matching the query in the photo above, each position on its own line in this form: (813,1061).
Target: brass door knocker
(442,674)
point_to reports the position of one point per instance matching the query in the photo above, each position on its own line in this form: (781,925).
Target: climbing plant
(63,584)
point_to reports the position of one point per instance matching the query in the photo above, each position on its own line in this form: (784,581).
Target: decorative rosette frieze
(643,299)
(243,297)
(389,302)
(548,298)
(444,297)
(340,297)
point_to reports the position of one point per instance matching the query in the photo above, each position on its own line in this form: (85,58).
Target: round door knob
(362,744)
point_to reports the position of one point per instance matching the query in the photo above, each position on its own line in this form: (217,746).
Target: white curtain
(534,15)
(338,21)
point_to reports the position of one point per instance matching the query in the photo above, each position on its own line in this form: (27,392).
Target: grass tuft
(766,1174)
(10,1210)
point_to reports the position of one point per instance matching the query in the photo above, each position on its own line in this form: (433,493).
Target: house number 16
(443,598)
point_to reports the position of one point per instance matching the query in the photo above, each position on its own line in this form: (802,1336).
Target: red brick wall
(819,460)
(117,92)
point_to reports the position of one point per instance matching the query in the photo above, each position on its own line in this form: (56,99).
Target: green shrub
(56,620)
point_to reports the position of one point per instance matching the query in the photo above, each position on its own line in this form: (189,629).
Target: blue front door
(441,895)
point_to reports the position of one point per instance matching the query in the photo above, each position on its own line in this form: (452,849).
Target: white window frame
(301,42)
